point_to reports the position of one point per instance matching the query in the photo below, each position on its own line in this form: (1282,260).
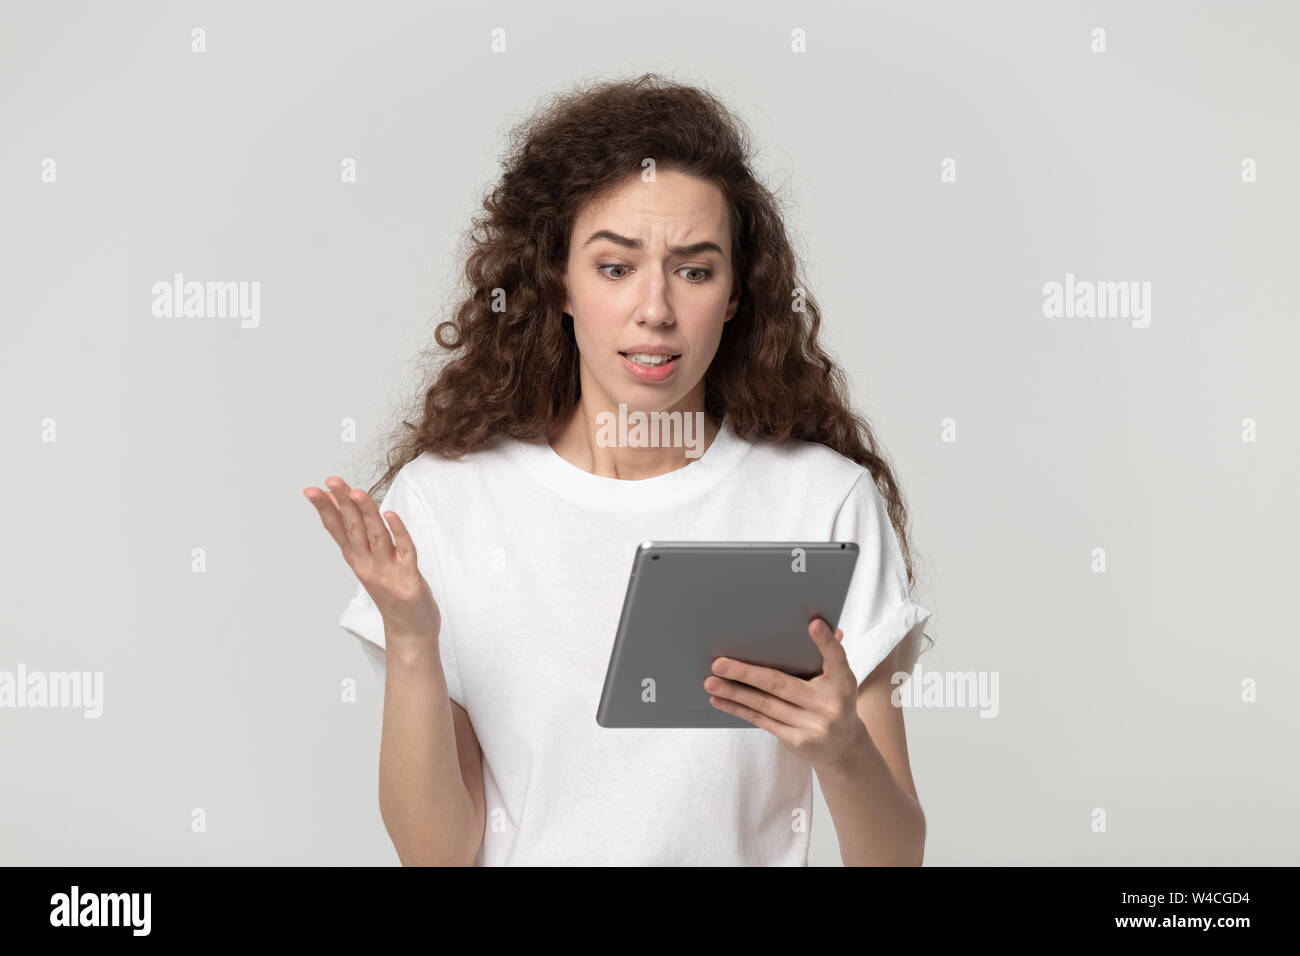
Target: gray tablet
(688,602)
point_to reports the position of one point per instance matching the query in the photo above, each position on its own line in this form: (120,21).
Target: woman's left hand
(816,718)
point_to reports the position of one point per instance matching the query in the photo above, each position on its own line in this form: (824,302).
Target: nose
(654,309)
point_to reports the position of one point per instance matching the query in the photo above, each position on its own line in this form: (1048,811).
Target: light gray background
(1119,691)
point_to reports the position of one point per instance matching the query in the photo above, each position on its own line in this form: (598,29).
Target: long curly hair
(770,377)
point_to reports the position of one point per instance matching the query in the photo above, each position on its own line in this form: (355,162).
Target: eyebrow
(693,249)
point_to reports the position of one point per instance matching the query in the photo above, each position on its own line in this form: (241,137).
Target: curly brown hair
(770,377)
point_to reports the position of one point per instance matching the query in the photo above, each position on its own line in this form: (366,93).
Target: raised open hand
(386,566)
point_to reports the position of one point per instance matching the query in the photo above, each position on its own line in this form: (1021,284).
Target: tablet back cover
(689,602)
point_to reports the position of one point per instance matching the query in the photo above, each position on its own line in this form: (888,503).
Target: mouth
(649,368)
(644,358)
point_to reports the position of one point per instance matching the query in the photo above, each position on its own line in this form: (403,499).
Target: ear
(732,306)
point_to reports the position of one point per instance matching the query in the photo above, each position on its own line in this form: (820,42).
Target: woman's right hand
(386,567)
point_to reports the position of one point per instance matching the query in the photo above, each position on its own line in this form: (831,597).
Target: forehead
(673,200)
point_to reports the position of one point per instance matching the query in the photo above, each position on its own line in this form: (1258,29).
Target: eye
(706,274)
(613,265)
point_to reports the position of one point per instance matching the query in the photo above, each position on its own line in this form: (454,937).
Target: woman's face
(649,270)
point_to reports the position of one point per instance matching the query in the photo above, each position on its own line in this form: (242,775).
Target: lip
(648,349)
(645,373)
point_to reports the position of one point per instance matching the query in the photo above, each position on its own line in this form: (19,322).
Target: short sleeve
(878,611)
(362,618)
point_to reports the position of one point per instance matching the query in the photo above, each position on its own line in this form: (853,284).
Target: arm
(871,796)
(430,771)
(430,778)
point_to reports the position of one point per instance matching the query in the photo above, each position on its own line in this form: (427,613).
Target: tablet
(689,602)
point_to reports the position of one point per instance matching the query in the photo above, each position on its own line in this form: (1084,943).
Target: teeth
(643,359)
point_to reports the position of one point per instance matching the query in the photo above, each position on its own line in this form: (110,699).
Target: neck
(598,439)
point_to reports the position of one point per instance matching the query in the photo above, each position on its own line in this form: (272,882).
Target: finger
(781,731)
(381,544)
(402,542)
(779,684)
(760,702)
(833,653)
(354,525)
(329,515)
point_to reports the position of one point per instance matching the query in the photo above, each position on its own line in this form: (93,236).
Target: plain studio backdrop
(1103,505)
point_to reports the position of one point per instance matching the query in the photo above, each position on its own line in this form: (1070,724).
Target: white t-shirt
(528,557)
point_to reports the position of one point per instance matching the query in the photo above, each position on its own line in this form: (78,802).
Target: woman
(626,227)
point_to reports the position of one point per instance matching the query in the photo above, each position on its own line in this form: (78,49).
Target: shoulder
(430,471)
(808,462)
